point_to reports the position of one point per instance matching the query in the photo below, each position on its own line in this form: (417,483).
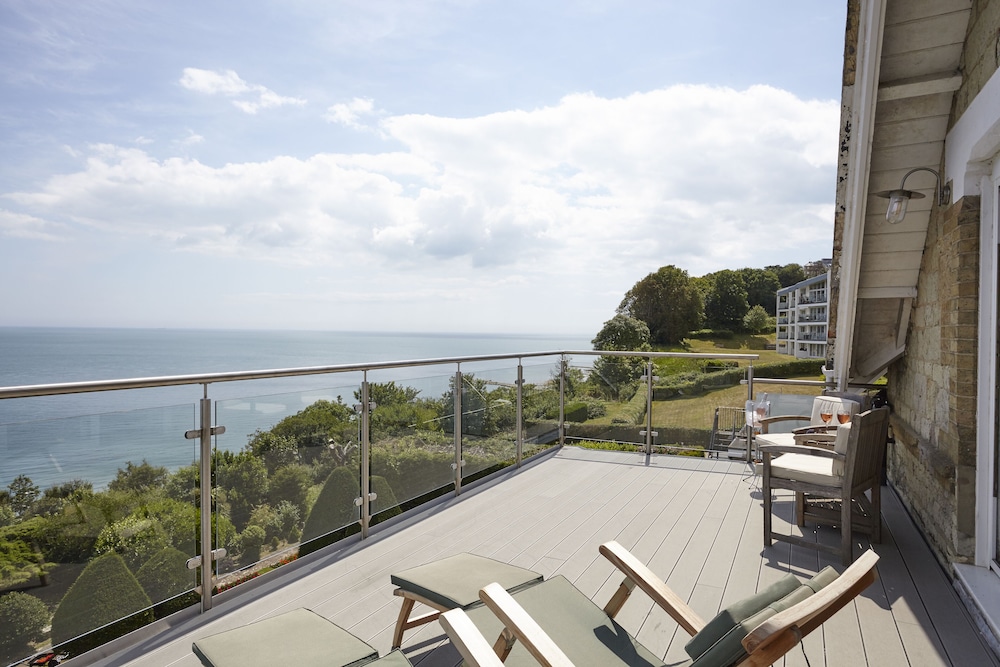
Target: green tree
(756,320)
(762,287)
(23,619)
(291,483)
(275,450)
(105,592)
(251,543)
(668,302)
(23,494)
(244,478)
(142,477)
(789,274)
(319,423)
(621,333)
(727,303)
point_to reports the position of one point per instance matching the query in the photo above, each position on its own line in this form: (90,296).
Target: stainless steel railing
(205,430)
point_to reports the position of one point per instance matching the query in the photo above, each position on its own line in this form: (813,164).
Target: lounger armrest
(766,421)
(637,572)
(524,627)
(468,640)
(804,617)
(801,449)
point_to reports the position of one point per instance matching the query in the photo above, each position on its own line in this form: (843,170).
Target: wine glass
(843,417)
(826,412)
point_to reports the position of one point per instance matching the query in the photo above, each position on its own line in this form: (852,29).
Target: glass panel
(606,403)
(540,405)
(286,473)
(97,526)
(489,416)
(413,442)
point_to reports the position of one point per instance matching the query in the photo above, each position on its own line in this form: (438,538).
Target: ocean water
(56,439)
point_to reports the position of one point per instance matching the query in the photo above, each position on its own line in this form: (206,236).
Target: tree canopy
(668,302)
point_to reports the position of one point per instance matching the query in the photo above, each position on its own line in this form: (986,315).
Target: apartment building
(802,317)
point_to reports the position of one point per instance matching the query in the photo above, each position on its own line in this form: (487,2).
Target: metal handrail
(26,391)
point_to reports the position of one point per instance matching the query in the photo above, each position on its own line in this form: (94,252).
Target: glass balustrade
(101,517)
(98,526)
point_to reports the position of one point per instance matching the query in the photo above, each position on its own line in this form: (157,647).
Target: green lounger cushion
(579,627)
(455,581)
(721,640)
(298,637)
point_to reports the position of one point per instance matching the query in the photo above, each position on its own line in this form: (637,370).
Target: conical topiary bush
(105,592)
(333,511)
(385,506)
(165,575)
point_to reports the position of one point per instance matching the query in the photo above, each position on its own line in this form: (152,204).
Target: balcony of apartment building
(403,464)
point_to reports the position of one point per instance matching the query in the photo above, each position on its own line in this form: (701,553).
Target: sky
(390,165)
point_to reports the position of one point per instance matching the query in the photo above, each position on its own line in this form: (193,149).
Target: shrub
(23,619)
(251,541)
(134,538)
(105,592)
(165,575)
(576,412)
(385,505)
(334,509)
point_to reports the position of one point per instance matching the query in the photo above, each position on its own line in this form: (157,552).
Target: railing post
(649,407)
(562,400)
(366,492)
(751,428)
(204,434)
(457,465)
(520,412)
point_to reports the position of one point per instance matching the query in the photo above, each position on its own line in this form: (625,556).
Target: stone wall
(932,389)
(981,55)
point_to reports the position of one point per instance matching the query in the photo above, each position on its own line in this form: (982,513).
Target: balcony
(490,477)
(697,522)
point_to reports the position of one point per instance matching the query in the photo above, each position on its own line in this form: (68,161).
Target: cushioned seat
(297,637)
(451,583)
(581,628)
(553,623)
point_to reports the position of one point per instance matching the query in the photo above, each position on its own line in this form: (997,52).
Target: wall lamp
(900,197)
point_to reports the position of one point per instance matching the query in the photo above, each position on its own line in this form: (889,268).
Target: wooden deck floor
(696,522)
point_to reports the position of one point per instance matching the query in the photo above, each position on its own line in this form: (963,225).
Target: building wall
(932,389)
(981,55)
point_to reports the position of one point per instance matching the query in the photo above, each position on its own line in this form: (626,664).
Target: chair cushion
(455,581)
(840,447)
(300,637)
(805,468)
(724,621)
(577,626)
(735,622)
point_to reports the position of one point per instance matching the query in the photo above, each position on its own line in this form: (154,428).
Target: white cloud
(697,176)
(20,225)
(350,113)
(251,97)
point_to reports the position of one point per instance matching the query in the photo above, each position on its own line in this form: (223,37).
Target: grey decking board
(352,586)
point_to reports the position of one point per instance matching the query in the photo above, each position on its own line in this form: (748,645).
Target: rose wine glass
(843,417)
(826,412)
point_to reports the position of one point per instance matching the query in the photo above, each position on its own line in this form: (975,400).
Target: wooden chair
(814,424)
(821,477)
(552,623)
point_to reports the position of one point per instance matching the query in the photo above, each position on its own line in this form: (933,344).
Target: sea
(57,439)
